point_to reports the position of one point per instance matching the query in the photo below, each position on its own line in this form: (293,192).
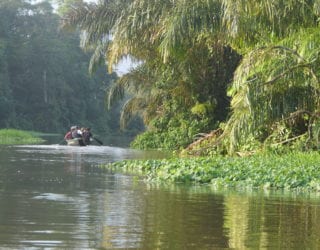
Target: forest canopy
(44,80)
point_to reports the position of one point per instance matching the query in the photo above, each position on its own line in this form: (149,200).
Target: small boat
(75,142)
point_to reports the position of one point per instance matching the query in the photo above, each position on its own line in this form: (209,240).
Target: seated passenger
(68,135)
(76,133)
(86,135)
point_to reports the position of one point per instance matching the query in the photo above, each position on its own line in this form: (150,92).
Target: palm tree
(96,22)
(180,42)
(277,77)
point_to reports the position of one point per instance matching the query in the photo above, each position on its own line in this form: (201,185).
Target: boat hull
(75,142)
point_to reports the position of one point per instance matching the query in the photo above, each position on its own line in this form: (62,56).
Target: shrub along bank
(14,136)
(296,170)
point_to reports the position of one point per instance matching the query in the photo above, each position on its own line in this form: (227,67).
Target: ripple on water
(53,197)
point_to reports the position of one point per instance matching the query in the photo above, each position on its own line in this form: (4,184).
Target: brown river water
(59,197)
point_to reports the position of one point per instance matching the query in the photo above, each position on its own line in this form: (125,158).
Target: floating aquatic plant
(294,170)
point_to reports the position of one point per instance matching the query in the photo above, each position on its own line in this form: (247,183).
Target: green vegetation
(175,135)
(44,80)
(239,77)
(14,136)
(294,170)
(248,68)
(174,86)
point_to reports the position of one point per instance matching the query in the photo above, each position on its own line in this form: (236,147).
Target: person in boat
(83,135)
(76,132)
(68,135)
(78,135)
(86,135)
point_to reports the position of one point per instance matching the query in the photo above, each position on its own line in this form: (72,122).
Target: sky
(124,66)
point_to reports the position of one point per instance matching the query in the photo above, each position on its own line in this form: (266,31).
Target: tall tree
(185,64)
(44,81)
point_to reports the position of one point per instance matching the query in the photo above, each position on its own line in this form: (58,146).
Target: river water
(58,197)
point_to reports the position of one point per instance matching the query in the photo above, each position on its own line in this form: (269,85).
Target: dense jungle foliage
(44,80)
(244,75)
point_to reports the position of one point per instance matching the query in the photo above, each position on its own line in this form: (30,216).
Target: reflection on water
(272,221)
(55,196)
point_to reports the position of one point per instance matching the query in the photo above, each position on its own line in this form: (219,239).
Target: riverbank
(296,170)
(14,136)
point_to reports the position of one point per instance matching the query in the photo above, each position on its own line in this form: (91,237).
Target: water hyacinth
(295,170)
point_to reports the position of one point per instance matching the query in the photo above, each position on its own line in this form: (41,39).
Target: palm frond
(273,82)
(187,19)
(115,93)
(134,106)
(251,22)
(98,56)
(137,30)
(137,82)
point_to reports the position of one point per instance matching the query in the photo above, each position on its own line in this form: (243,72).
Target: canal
(59,197)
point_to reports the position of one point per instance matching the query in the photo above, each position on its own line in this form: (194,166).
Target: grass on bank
(14,136)
(296,170)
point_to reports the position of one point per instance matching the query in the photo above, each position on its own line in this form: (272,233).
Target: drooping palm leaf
(273,82)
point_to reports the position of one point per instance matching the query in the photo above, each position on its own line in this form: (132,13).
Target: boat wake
(93,154)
